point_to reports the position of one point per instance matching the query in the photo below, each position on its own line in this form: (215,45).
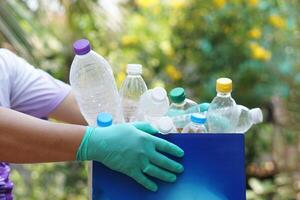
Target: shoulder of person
(5,52)
(7,58)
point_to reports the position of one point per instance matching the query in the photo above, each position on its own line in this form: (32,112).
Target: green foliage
(50,181)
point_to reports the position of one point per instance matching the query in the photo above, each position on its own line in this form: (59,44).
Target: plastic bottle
(165,125)
(153,104)
(179,107)
(223,114)
(196,125)
(131,90)
(199,108)
(93,83)
(247,118)
(104,119)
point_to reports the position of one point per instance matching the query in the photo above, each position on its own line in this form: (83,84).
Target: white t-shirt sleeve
(31,91)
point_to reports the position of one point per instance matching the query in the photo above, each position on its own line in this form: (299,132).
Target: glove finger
(144,181)
(167,147)
(146,127)
(166,163)
(159,173)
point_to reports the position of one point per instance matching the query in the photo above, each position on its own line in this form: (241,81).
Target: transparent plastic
(194,128)
(165,125)
(94,85)
(153,104)
(248,118)
(179,112)
(223,114)
(131,90)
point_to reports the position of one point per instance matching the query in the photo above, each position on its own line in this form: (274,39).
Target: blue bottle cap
(198,118)
(104,119)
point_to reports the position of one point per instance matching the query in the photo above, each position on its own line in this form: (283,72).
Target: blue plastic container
(214,170)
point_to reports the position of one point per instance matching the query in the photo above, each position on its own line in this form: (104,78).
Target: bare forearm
(68,111)
(24,139)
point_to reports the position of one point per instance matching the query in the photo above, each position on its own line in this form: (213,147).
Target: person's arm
(68,111)
(25,139)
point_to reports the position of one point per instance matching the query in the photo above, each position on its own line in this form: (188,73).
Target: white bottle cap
(165,125)
(158,94)
(256,115)
(134,69)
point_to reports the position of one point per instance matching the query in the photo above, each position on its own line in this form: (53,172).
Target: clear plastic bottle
(153,104)
(94,85)
(131,90)
(196,125)
(165,125)
(179,107)
(247,118)
(223,113)
(199,108)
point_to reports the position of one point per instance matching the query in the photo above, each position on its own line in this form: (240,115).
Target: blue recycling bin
(214,170)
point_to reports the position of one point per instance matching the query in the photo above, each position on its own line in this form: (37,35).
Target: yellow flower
(277,21)
(253,2)
(260,53)
(255,33)
(156,10)
(147,3)
(177,4)
(220,3)
(129,40)
(167,48)
(173,73)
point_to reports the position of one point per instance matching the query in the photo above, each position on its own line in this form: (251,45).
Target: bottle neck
(179,104)
(197,124)
(133,74)
(83,56)
(222,94)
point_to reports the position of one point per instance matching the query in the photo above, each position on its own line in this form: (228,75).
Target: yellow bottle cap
(224,85)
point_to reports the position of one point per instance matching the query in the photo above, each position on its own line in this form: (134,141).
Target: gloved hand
(145,126)
(131,151)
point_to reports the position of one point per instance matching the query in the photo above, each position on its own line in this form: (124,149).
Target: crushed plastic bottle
(131,90)
(248,118)
(94,85)
(223,113)
(196,125)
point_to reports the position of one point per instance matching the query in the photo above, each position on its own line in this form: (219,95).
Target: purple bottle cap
(81,47)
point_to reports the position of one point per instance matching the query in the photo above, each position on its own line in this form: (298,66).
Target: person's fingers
(146,127)
(144,181)
(159,173)
(167,147)
(166,163)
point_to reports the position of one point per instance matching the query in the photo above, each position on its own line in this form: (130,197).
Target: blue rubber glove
(131,151)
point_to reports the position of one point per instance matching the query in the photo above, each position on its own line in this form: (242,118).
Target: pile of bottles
(93,82)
